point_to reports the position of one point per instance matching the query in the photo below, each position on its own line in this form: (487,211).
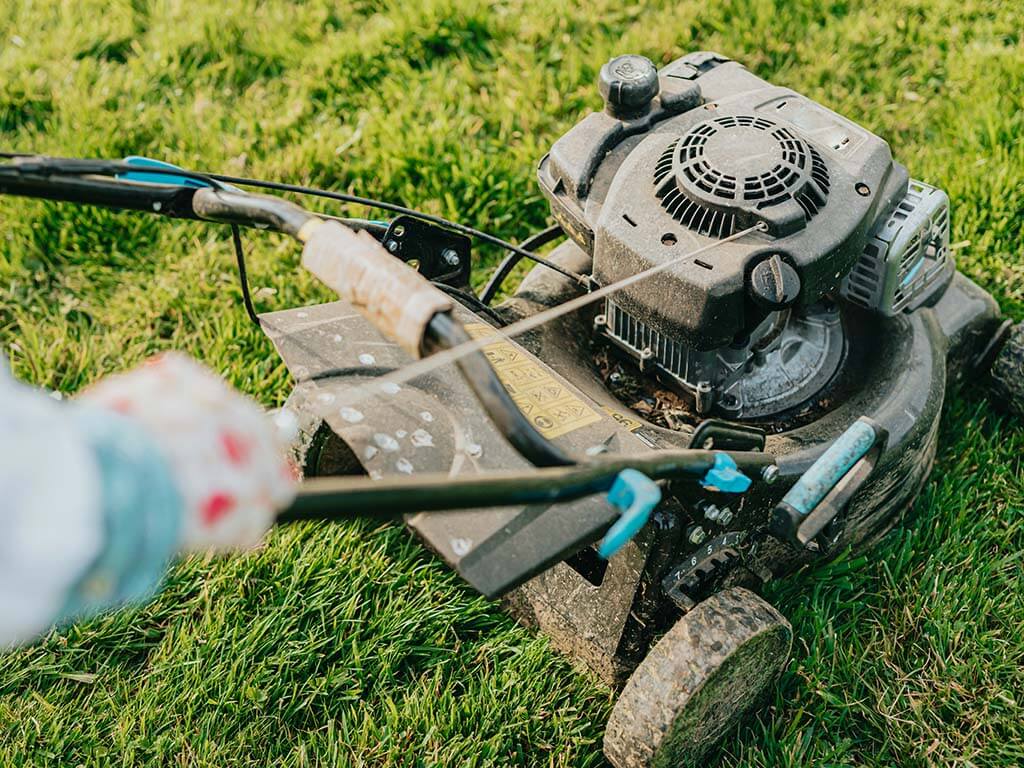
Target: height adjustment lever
(827,486)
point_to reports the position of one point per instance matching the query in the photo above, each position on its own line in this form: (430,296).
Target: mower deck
(605,614)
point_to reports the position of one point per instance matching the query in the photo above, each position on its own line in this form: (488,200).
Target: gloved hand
(226,456)
(98,494)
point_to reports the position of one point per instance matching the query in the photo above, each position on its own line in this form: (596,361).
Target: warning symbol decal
(549,405)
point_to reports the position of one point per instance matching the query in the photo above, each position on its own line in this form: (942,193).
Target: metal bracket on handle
(440,254)
(827,486)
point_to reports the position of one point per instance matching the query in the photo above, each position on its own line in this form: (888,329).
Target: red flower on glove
(215,507)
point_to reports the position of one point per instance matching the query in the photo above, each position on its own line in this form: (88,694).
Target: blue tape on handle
(636,495)
(831,466)
(158,178)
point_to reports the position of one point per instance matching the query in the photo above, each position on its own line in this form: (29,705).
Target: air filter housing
(716,151)
(906,256)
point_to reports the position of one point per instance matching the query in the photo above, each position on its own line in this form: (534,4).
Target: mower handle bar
(363,281)
(339,498)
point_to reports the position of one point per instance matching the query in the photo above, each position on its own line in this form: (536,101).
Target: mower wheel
(717,663)
(1008,372)
(316,449)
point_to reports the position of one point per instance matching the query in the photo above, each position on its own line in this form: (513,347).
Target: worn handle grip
(397,299)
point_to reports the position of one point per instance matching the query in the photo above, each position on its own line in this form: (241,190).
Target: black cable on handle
(509,263)
(395,208)
(445,332)
(243,278)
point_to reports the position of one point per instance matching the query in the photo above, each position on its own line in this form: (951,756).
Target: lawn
(350,645)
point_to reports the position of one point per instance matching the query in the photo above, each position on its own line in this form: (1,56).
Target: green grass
(349,645)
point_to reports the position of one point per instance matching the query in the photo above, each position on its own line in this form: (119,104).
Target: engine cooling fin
(726,168)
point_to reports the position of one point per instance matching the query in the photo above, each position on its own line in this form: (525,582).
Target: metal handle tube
(175,202)
(243,208)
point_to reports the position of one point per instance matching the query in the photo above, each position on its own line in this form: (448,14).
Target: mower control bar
(340,498)
(32,178)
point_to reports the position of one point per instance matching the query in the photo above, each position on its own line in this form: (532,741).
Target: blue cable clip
(724,476)
(636,495)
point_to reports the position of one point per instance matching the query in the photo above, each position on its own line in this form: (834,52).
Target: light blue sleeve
(89,513)
(142,515)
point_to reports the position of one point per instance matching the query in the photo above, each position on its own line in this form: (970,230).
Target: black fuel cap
(774,283)
(628,83)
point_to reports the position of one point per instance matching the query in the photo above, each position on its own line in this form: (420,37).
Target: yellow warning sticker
(549,405)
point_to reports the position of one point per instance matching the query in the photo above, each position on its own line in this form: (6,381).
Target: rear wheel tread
(1008,372)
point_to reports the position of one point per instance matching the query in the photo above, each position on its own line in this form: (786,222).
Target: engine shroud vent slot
(735,164)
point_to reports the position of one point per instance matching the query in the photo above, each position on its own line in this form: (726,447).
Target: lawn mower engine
(807,306)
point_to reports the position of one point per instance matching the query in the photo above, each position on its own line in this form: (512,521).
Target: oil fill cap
(628,84)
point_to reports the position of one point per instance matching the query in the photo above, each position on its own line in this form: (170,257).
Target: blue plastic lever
(725,476)
(831,467)
(636,495)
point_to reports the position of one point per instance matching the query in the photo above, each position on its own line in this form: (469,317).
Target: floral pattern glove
(227,459)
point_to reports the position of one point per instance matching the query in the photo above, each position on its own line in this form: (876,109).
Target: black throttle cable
(504,269)
(523,253)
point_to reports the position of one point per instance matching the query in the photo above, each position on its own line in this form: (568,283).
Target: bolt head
(770,473)
(451,258)
(697,535)
(392,246)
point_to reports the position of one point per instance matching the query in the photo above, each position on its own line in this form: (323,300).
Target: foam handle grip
(397,299)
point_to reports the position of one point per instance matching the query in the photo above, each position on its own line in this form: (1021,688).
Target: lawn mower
(733,365)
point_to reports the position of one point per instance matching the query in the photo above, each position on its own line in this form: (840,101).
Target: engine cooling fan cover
(734,170)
